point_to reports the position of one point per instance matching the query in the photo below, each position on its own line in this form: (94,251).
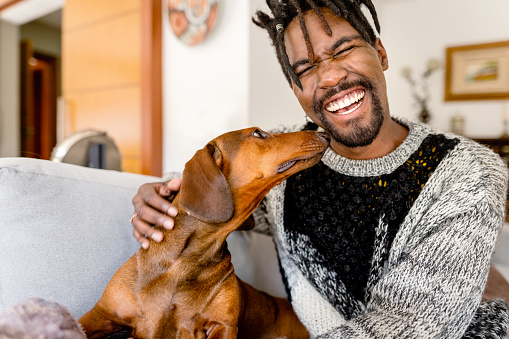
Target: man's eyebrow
(300,62)
(336,45)
(344,40)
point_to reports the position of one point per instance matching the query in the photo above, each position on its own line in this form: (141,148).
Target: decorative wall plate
(192,20)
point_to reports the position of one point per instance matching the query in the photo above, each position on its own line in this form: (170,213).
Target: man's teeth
(345,101)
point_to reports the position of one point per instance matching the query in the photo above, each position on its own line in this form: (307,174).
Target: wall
(271,100)
(9,90)
(45,39)
(415,30)
(205,87)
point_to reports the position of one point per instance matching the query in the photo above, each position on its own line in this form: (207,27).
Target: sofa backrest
(64,230)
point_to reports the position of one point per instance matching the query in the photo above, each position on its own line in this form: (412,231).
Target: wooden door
(38,102)
(109,80)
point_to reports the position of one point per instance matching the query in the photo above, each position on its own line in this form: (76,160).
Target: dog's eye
(260,134)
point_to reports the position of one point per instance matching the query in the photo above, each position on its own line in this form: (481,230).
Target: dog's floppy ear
(204,192)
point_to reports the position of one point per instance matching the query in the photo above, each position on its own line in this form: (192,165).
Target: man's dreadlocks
(284,11)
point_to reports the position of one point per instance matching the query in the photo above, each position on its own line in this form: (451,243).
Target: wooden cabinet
(500,146)
(110,81)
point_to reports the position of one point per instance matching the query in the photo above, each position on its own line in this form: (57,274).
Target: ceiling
(26,11)
(53,19)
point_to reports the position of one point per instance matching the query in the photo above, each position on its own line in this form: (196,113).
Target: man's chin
(356,134)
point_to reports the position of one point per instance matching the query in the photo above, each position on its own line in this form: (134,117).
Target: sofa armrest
(64,230)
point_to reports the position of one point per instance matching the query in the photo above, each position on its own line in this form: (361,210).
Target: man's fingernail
(168,225)
(157,237)
(172,211)
(145,245)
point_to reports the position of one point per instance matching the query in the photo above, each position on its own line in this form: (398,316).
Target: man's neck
(391,135)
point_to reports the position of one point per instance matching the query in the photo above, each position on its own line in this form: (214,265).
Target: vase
(424,116)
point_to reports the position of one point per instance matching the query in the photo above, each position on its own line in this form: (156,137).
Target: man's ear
(205,193)
(382,54)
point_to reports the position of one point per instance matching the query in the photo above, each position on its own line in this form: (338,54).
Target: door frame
(151,88)
(38,96)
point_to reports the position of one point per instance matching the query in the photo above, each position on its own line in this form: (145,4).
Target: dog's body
(185,286)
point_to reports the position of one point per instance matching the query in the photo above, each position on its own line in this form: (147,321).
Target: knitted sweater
(394,247)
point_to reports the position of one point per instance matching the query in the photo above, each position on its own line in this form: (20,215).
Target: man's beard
(356,135)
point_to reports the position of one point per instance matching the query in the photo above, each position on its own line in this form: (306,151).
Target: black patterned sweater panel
(333,222)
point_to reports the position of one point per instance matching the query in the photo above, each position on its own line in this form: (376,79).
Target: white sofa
(64,231)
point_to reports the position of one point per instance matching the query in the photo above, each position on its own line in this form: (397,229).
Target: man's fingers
(157,202)
(169,188)
(153,207)
(143,231)
(151,216)
(144,242)
(174,184)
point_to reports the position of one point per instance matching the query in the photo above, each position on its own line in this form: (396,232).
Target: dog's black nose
(324,135)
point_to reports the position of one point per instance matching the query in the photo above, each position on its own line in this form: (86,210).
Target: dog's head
(235,170)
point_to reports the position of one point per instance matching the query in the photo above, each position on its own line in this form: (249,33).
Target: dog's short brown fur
(185,286)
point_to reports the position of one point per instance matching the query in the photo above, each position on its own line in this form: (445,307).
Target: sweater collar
(386,164)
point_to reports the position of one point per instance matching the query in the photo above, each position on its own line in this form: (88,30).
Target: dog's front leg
(117,307)
(268,317)
(99,324)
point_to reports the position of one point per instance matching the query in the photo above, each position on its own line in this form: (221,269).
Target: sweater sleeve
(262,224)
(434,291)
(434,280)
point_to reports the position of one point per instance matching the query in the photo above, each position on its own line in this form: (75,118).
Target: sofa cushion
(64,230)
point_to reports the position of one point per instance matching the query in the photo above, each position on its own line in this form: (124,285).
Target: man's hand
(152,206)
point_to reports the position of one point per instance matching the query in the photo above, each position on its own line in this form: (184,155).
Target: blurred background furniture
(89,148)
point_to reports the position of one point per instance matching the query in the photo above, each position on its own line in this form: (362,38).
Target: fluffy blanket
(39,319)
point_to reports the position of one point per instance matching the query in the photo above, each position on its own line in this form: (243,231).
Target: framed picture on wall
(477,72)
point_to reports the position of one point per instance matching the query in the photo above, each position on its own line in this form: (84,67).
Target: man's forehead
(315,25)
(294,36)
(326,12)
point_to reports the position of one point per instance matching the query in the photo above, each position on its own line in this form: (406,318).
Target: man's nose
(331,73)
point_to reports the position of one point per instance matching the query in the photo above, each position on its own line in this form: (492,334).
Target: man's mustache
(368,86)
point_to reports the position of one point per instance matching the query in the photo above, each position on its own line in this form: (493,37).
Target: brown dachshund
(185,286)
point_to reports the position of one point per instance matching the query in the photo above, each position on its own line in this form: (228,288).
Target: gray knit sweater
(403,260)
